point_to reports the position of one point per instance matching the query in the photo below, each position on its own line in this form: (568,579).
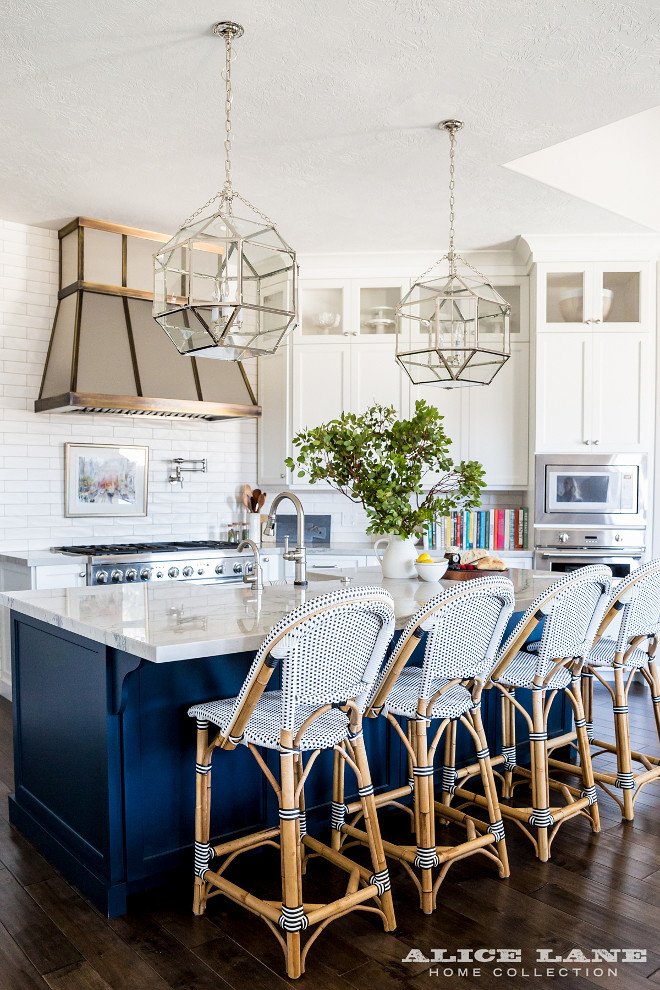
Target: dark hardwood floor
(599,891)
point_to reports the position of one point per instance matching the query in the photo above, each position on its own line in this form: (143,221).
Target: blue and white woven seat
(402,700)
(464,626)
(329,652)
(263,727)
(604,653)
(636,606)
(522,670)
(572,609)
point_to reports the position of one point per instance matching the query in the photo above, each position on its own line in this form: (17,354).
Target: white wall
(32,445)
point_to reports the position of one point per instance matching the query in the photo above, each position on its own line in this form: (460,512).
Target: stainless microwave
(591,489)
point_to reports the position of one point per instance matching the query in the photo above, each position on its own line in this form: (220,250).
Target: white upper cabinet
(594,357)
(341,311)
(611,297)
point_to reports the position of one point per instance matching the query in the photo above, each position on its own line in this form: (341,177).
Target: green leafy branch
(380,462)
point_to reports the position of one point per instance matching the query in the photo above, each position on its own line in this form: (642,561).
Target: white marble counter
(179,621)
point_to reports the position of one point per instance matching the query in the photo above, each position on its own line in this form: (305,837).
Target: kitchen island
(104,749)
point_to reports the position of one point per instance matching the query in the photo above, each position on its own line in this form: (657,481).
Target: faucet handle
(286,545)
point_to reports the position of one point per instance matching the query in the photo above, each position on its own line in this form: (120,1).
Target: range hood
(106,353)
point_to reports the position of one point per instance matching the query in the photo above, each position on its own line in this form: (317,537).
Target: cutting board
(469,575)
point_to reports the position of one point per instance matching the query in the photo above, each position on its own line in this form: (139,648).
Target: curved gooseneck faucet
(299,555)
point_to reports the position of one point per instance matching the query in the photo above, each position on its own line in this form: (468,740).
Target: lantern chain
(452,154)
(226,195)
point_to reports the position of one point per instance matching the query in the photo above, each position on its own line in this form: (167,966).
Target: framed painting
(105,479)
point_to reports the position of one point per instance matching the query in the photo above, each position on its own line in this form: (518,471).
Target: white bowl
(431,572)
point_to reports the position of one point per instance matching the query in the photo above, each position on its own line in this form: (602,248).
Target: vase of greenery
(381,463)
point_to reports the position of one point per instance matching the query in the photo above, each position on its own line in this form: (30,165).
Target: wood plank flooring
(598,891)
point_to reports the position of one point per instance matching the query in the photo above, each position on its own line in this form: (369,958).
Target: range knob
(159,574)
(131,574)
(188,571)
(173,572)
(563,537)
(238,568)
(618,537)
(220,569)
(116,576)
(200,570)
(101,577)
(145,574)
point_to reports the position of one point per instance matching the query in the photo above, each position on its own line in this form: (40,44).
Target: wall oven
(590,508)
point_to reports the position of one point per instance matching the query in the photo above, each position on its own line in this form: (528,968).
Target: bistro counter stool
(632,648)
(573,608)
(330,650)
(464,628)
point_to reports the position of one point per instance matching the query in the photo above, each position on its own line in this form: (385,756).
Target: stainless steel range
(201,561)
(590,509)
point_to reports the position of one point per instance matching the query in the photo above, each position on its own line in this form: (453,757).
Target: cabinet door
(622,390)
(321,384)
(498,432)
(564,297)
(453,405)
(274,429)
(621,299)
(376,377)
(563,396)
(326,312)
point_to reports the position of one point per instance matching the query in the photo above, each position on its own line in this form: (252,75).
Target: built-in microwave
(591,489)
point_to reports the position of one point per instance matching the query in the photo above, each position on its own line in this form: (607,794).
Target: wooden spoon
(247,495)
(255,499)
(262,501)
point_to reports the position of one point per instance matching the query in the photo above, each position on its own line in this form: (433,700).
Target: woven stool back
(330,650)
(637,599)
(464,625)
(573,608)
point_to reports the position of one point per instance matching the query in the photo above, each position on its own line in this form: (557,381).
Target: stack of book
(491,529)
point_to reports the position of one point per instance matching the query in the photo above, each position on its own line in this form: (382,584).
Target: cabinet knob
(587,442)
(595,442)
(596,321)
(588,321)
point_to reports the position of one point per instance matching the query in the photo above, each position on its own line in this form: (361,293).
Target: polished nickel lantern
(452,330)
(225,286)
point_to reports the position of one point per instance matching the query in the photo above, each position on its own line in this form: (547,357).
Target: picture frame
(105,480)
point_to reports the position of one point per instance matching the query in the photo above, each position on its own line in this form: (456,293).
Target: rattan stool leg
(372,828)
(449,771)
(508,743)
(202,813)
(338,806)
(303,817)
(587,693)
(655,681)
(291,864)
(424,817)
(538,749)
(490,792)
(574,695)
(624,768)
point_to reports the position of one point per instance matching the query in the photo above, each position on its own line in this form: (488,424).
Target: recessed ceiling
(115,111)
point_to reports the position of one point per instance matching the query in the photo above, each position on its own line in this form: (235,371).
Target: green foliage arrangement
(380,462)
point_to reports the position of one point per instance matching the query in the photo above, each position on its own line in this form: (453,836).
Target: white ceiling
(114,111)
(616,166)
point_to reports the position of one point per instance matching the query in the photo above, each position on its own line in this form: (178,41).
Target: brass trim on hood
(103,355)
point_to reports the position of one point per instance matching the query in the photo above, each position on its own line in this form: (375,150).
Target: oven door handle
(636,554)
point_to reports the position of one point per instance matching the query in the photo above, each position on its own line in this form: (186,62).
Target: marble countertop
(179,621)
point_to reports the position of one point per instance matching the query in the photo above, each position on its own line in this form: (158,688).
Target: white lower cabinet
(20,577)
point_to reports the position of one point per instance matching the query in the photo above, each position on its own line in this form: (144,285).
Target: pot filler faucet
(299,555)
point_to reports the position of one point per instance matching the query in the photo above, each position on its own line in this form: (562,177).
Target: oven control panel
(216,569)
(582,538)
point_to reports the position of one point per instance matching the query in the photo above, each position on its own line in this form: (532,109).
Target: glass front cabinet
(611,297)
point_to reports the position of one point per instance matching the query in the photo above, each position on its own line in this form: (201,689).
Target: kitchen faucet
(299,555)
(255,580)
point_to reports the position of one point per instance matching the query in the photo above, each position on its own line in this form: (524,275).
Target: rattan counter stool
(630,649)
(330,650)
(573,608)
(464,628)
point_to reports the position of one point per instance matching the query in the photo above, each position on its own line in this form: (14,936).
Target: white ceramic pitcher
(398,558)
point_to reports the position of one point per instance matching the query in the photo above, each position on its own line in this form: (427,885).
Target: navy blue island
(104,749)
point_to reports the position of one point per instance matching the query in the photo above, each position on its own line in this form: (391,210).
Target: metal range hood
(106,353)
